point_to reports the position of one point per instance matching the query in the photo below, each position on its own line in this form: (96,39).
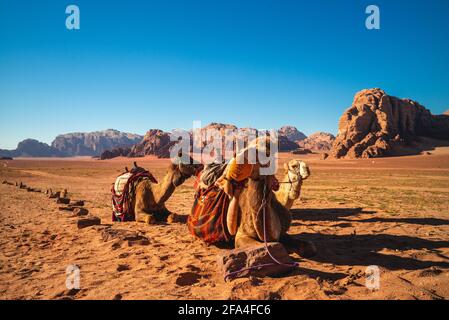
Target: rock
(80,211)
(77,203)
(32,148)
(63,200)
(131,237)
(55,195)
(301,151)
(291,133)
(239,259)
(319,141)
(324,156)
(114,153)
(66,208)
(378,125)
(94,143)
(88,221)
(4,182)
(155,142)
(286,145)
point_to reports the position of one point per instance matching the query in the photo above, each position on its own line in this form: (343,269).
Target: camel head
(297,170)
(183,168)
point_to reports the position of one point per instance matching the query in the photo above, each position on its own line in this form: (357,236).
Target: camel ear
(286,166)
(126,169)
(135,164)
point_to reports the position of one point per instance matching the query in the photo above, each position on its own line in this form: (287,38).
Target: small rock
(63,200)
(252,257)
(65,209)
(77,203)
(118,296)
(55,195)
(88,221)
(123,267)
(80,212)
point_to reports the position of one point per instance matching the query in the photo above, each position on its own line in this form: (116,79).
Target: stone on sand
(63,200)
(254,256)
(88,221)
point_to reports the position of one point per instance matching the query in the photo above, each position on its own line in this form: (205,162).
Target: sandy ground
(392,213)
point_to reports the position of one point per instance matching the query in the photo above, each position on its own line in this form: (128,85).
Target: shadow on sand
(352,249)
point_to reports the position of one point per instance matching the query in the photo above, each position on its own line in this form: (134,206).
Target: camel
(149,202)
(296,172)
(257,199)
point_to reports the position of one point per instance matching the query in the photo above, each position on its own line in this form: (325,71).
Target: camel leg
(305,249)
(142,215)
(242,240)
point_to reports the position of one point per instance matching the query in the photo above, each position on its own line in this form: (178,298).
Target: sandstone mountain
(291,133)
(379,125)
(155,142)
(319,141)
(446,113)
(32,148)
(94,143)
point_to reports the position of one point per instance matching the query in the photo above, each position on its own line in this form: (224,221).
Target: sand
(391,212)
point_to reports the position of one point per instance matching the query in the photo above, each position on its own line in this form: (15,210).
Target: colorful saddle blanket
(207,220)
(123,192)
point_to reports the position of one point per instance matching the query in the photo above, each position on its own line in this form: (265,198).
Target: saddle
(123,192)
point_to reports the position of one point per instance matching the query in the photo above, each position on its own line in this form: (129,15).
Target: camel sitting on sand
(149,201)
(296,172)
(255,213)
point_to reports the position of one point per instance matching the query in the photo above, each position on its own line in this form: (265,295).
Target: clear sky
(136,65)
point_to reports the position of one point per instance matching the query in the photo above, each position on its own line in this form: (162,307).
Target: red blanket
(207,220)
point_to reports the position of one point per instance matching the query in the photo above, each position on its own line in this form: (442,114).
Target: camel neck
(165,188)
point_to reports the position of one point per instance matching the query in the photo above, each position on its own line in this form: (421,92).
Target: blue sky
(136,65)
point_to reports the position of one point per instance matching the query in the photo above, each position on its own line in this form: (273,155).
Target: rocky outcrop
(319,141)
(94,143)
(155,142)
(32,148)
(446,113)
(114,153)
(379,125)
(285,145)
(291,133)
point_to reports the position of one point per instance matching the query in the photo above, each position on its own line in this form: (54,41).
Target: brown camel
(257,200)
(296,172)
(149,202)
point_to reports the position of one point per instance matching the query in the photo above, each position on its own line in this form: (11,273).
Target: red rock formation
(114,153)
(291,133)
(155,142)
(379,125)
(319,141)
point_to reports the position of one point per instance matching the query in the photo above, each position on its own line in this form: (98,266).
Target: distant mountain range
(112,143)
(74,144)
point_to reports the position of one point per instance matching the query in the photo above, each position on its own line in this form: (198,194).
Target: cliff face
(32,148)
(291,133)
(379,125)
(319,141)
(94,143)
(155,142)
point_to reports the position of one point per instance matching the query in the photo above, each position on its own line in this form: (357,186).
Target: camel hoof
(306,249)
(149,220)
(172,218)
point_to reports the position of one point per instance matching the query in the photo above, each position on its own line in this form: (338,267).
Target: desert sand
(389,212)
